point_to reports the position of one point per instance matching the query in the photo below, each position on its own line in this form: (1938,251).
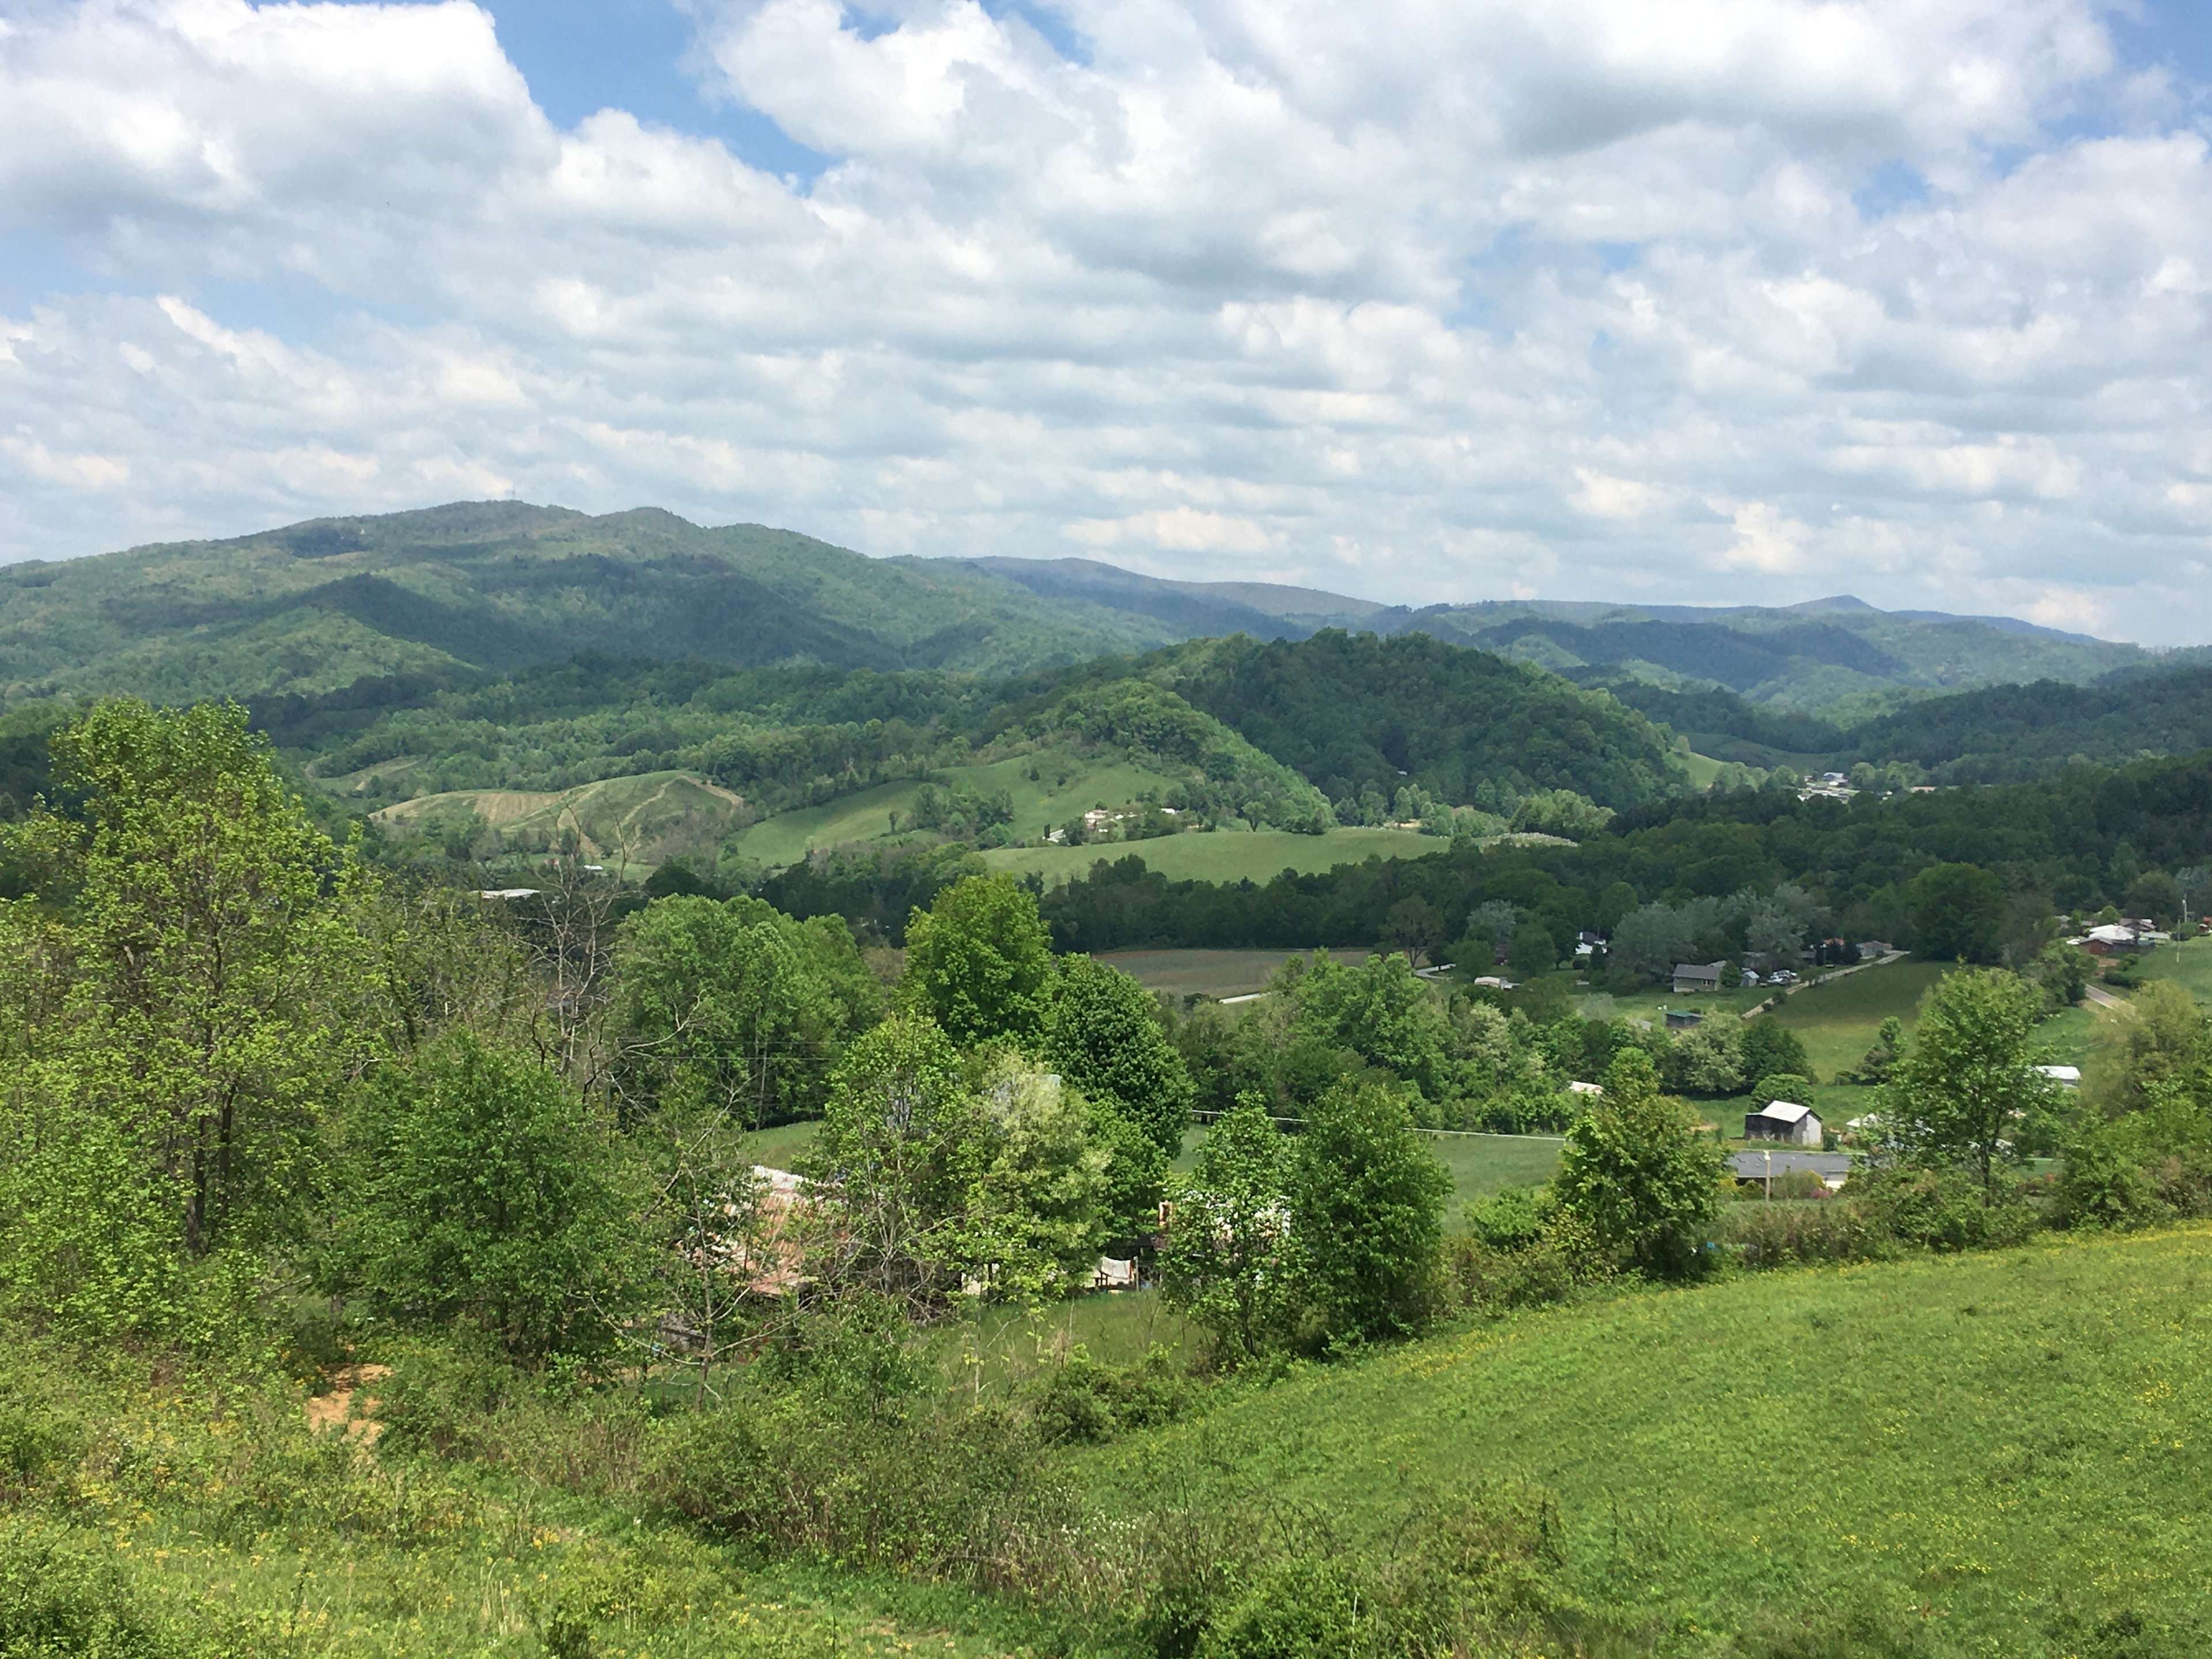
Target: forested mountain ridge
(451,594)
(455,591)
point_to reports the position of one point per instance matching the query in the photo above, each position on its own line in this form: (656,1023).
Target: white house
(1783,1121)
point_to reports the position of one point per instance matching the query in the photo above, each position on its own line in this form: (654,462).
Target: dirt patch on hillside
(347,1408)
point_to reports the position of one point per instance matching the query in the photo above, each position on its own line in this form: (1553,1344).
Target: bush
(1943,1210)
(1083,1402)
(61,1593)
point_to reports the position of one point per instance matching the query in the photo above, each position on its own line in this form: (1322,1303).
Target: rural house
(1784,1121)
(2113,939)
(1696,976)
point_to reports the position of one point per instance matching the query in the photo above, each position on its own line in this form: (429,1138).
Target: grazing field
(1990,1454)
(1651,1006)
(1224,855)
(1209,972)
(1838,1019)
(1065,786)
(2189,963)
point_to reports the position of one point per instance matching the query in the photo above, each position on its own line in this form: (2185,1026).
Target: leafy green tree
(1958,913)
(734,1005)
(1770,1047)
(1706,1060)
(1780,1085)
(1533,951)
(1382,1012)
(2157,895)
(1035,1221)
(1639,1174)
(1966,1091)
(186,995)
(2062,971)
(2166,1037)
(979,962)
(1230,1263)
(483,1188)
(904,1146)
(1102,1029)
(1367,1201)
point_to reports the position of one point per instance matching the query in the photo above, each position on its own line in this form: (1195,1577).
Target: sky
(1718,301)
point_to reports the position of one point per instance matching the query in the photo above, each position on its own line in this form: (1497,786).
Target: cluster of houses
(2125,937)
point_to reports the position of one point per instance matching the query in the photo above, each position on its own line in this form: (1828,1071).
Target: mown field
(1257,855)
(1996,1455)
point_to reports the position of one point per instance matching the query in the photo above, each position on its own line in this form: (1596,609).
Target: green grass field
(1837,1020)
(1257,855)
(779,1148)
(1479,1164)
(1039,803)
(2003,1455)
(2190,962)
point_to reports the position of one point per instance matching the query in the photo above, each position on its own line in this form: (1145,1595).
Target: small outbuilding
(2066,1076)
(1683,1019)
(1578,1087)
(1757,1168)
(1696,976)
(1784,1121)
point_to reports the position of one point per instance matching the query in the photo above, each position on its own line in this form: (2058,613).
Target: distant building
(1691,977)
(1681,1019)
(1582,1088)
(1783,1121)
(1872,950)
(2114,938)
(2066,1076)
(1833,1168)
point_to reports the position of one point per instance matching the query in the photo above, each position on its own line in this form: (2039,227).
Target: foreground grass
(145,1517)
(1993,1455)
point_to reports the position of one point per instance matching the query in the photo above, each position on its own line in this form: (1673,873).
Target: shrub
(1083,1402)
(1943,1210)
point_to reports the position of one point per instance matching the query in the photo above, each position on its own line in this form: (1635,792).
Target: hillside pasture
(2188,963)
(1225,855)
(641,820)
(1067,785)
(2000,1454)
(1838,1019)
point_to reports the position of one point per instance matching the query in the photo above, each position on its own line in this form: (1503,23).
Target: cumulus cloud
(1428,299)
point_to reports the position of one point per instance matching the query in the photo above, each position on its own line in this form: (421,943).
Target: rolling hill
(451,594)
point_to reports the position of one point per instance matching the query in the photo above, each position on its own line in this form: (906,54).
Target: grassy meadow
(2189,963)
(1479,1164)
(1067,785)
(1989,1455)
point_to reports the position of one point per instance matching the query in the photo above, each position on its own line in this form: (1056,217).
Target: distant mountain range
(488,588)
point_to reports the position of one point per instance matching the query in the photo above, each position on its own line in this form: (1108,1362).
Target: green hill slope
(493,585)
(1999,1454)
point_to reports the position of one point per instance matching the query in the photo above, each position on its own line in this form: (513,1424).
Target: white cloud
(1427,298)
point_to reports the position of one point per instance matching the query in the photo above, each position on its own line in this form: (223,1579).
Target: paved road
(2101,997)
